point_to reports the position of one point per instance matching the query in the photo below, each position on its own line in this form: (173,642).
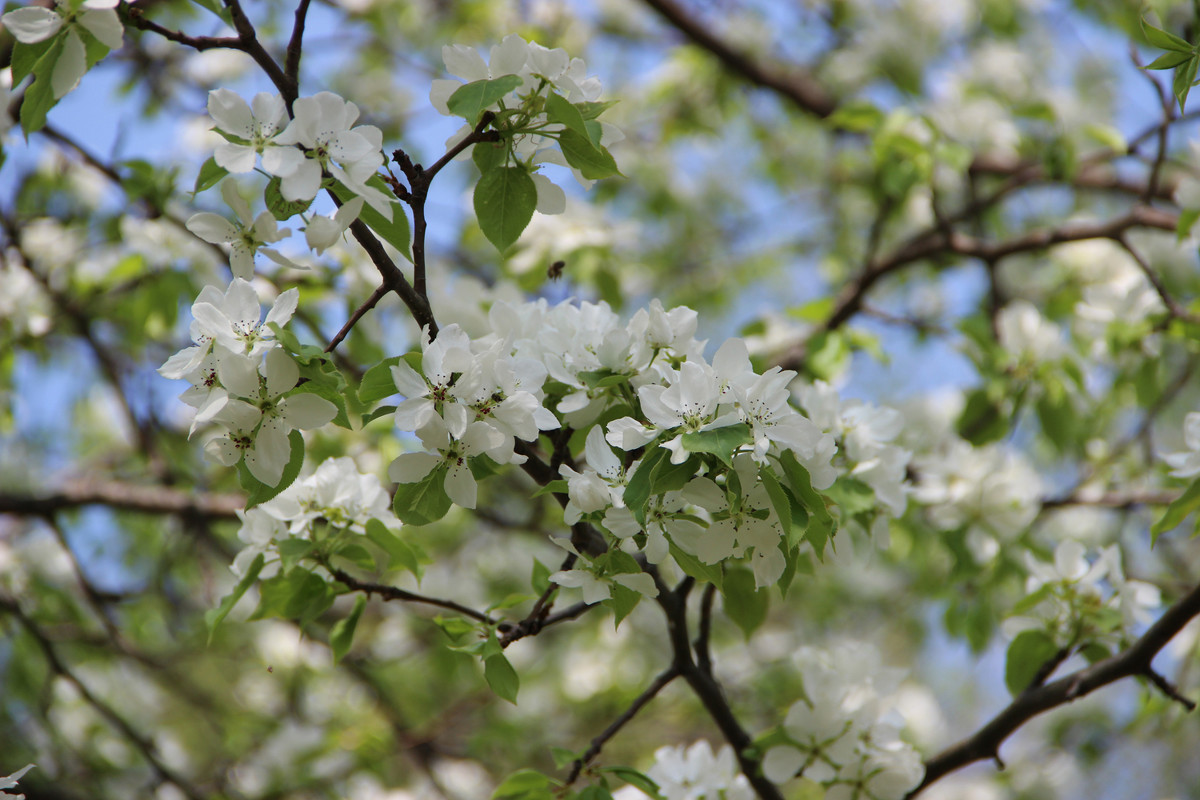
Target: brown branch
(937,243)
(370,303)
(1134,661)
(125,496)
(395,593)
(706,688)
(656,686)
(797,86)
(291,63)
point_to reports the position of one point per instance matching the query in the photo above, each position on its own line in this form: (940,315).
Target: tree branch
(126,496)
(1134,661)
(656,686)
(797,86)
(396,593)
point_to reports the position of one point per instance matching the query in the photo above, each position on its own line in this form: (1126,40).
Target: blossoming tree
(665,440)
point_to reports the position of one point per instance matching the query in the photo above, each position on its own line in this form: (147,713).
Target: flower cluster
(990,490)
(844,733)
(704,442)
(94,19)
(695,773)
(244,381)
(866,433)
(335,498)
(540,70)
(321,138)
(1068,599)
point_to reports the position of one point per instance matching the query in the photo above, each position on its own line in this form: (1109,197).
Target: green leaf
(501,677)
(593,161)
(489,155)
(1183,505)
(505,199)
(280,207)
(210,175)
(635,778)
(557,486)
(828,355)
(298,595)
(423,502)
(399,553)
(622,601)
(342,633)
(851,495)
(638,489)
(594,109)
(668,477)
(982,419)
(1187,218)
(820,523)
(473,99)
(1185,76)
(1164,40)
(1169,60)
(215,616)
(292,550)
(558,109)
(539,578)
(526,784)
(697,568)
(26,56)
(779,499)
(1029,651)
(394,231)
(218,8)
(39,97)
(721,442)
(745,603)
(258,491)
(377,382)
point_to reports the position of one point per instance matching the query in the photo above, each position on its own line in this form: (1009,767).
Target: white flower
(600,486)
(259,424)
(10,782)
(427,390)
(256,125)
(594,589)
(1187,464)
(697,774)
(245,238)
(1027,335)
(322,126)
(35,24)
(455,441)
(323,232)
(232,319)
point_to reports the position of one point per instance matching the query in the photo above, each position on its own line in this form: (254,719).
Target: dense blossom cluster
(844,733)
(991,491)
(335,498)
(243,381)
(570,364)
(1076,601)
(694,773)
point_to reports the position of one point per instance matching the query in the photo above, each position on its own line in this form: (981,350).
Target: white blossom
(1187,464)
(246,237)
(10,782)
